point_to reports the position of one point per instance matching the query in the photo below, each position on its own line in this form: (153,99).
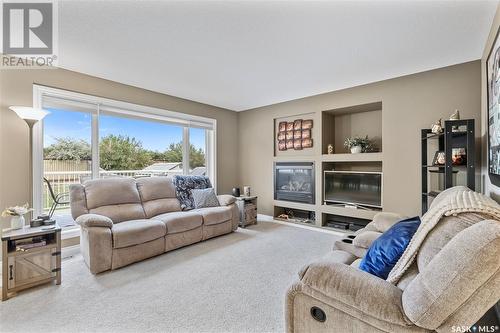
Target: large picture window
(86,137)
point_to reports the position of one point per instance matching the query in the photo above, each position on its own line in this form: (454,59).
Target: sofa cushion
(152,188)
(111,191)
(135,232)
(158,195)
(120,213)
(215,215)
(184,185)
(180,221)
(116,198)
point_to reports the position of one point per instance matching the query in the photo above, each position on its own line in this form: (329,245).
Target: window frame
(108,105)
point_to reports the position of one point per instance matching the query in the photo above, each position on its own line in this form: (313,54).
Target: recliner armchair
(454,280)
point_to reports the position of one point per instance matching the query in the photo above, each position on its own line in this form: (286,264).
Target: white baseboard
(269,218)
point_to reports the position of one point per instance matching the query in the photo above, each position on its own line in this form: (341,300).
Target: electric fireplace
(294,181)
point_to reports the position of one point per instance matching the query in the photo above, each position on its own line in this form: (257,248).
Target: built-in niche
(294,215)
(344,223)
(360,120)
(361,182)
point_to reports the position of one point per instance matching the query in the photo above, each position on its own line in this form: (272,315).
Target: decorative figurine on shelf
(330,149)
(437,128)
(246,191)
(455,115)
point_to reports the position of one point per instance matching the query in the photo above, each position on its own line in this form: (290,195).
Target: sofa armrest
(94,220)
(226,199)
(356,290)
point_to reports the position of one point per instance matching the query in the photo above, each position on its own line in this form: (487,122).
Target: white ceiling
(242,55)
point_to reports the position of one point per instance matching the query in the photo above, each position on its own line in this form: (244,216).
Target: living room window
(87,137)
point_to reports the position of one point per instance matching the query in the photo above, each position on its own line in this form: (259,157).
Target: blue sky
(153,135)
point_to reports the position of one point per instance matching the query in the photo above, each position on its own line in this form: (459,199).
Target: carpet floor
(232,283)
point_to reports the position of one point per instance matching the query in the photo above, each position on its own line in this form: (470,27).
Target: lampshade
(28,113)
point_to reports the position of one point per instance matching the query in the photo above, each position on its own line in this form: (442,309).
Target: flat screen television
(353,188)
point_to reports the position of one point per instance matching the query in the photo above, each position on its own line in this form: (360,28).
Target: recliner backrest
(116,198)
(459,277)
(158,195)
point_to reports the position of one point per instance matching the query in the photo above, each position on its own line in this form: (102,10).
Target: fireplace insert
(294,181)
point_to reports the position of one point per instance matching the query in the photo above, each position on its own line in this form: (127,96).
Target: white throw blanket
(450,202)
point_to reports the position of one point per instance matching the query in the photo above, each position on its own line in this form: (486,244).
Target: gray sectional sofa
(124,220)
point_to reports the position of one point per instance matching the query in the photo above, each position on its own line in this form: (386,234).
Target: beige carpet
(233,283)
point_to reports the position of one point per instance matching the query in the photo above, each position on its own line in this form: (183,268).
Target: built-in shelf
(294,158)
(431,194)
(294,205)
(353,212)
(332,127)
(438,135)
(346,122)
(362,157)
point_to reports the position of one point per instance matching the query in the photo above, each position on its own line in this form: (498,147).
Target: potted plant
(358,145)
(17,215)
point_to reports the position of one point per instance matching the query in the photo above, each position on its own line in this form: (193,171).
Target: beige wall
(16,89)
(409,103)
(489,188)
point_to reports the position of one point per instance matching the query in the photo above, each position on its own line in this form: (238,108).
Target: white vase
(17,222)
(356,149)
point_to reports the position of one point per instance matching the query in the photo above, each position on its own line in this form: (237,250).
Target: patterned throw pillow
(184,185)
(205,198)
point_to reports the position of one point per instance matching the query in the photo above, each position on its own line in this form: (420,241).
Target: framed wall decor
(282,126)
(307,143)
(493,110)
(307,124)
(297,124)
(296,134)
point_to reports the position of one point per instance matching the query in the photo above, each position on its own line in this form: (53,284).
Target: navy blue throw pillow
(386,250)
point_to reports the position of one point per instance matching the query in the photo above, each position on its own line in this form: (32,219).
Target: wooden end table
(23,267)
(248,210)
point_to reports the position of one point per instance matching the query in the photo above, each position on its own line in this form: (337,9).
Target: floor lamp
(31,116)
